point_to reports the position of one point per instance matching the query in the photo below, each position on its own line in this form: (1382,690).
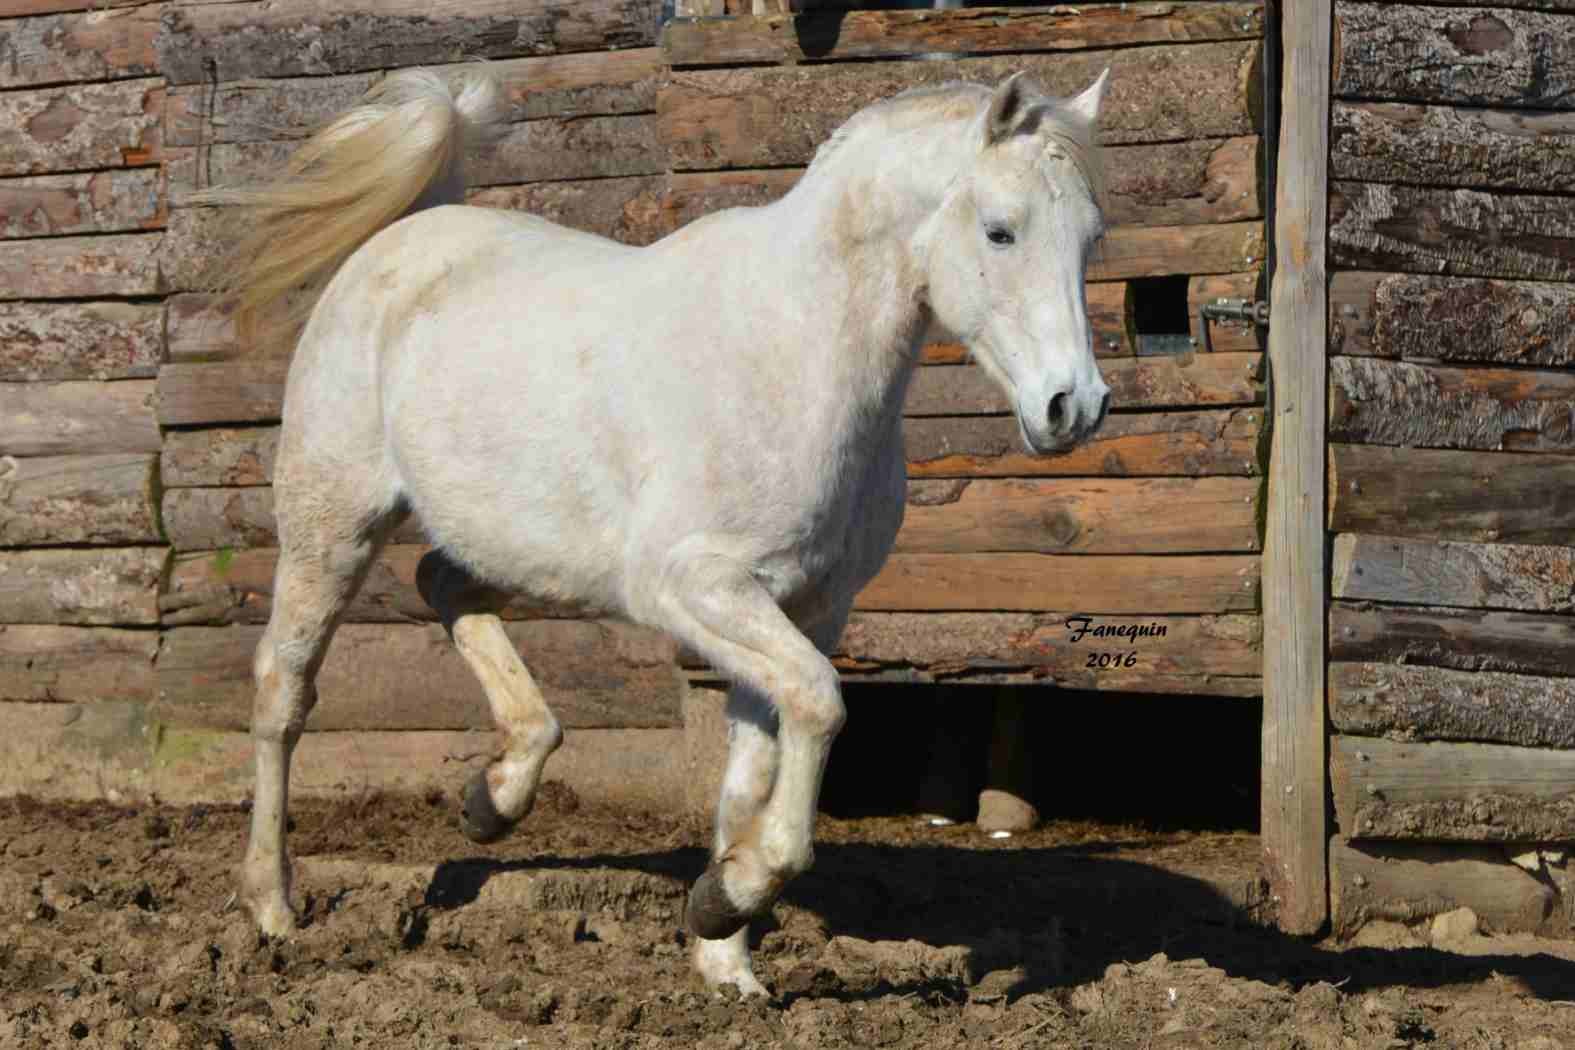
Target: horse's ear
(1007,106)
(1086,106)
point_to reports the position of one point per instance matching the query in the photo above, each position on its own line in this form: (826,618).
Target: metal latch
(1254,311)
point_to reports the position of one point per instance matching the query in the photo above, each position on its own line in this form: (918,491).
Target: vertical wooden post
(1295,573)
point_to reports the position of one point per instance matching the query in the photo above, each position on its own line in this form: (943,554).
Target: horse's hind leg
(499,796)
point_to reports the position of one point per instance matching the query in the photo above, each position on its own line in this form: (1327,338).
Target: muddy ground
(115,931)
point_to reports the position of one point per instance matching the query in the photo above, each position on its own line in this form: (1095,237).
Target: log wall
(1451,479)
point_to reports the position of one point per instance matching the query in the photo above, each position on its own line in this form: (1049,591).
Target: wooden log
(243,391)
(248,111)
(1451,146)
(26,8)
(1136,444)
(1464,639)
(101,202)
(80,267)
(1446,792)
(96,45)
(1431,494)
(1113,584)
(1436,703)
(775,117)
(54,500)
(1412,882)
(1374,226)
(55,341)
(1397,403)
(1164,251)
(205,519)
(629,210)
(1225,335)
(190,169)
(1149,382)
(81,127)
(52,664)
(571,148)
(285,38)
(1466,575)
(827,35)
(1292,802)
(60,419)
(410,676)
(92,587)
(229,456)
(1119,516)
(1210,685)
(1477,56)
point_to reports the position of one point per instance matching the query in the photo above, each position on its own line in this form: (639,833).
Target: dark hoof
(479,819)
(710,915)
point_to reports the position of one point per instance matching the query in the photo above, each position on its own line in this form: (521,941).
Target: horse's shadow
(1060,915)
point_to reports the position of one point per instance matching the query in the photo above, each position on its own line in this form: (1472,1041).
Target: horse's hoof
(479,819)
(709,914)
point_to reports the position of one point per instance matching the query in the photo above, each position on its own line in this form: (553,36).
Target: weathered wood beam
(1129,444)
(1410,882)
(227,456)
(1452,318)
(1376,226)
(53,664)
(249,390)
(57,500)
(56,341)
(1148,382)
(1465,575)
(826,35)
(1448,792)
(1435,494)
(410,676)
(1167,251)
(61,48)
(27,8)
(61,419)
(125,264)
(1437,703)
(97,202)
(1452,146)
(81,127)
(1478,56)
(1464,639)
(285,38)
(204,519)
(1111,584)
(114,586)
(777,116)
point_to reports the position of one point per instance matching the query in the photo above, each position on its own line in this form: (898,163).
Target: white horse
(703,435)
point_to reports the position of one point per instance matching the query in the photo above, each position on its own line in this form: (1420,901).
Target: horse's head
(1006,254)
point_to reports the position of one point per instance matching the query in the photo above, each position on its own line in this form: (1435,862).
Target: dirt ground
(116,930)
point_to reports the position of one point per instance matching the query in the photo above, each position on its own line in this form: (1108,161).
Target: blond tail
(401,150)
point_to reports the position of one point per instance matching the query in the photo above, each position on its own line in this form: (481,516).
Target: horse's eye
(1000,235)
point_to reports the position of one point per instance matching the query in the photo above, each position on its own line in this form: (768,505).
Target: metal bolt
(1372,790)
(1359,881)
(1290,789)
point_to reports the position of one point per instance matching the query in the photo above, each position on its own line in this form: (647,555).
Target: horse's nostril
(1057,416)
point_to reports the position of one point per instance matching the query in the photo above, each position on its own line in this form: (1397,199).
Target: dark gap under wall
(1162,761)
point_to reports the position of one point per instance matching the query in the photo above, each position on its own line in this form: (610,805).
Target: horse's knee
(817,707)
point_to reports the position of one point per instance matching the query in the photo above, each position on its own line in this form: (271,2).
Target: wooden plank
(633,210)
(1294,827)
(410,676)
(777,116)
(1117,516)
(1452,146)
(572,148)
(96,45)
(1384,789)
(1433,494)
(1164,251)
(81,127)
(1113,584)
(52,664)
(1149,382)
(1478,56)
(58,419)
(828,35)
(1467,575)
(1464,639)
(97,202)
(243,391)
(1135,444)
(258,110)
(55,341)
(285,38)
(1374,226)
(1412,882)
(26,8)
(124,264)
(117,586)
(1437,703)
(1452,318)
(1397,403)
(202,519)
(54,500)
(1225,335)
(1206,685)
(228,456)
